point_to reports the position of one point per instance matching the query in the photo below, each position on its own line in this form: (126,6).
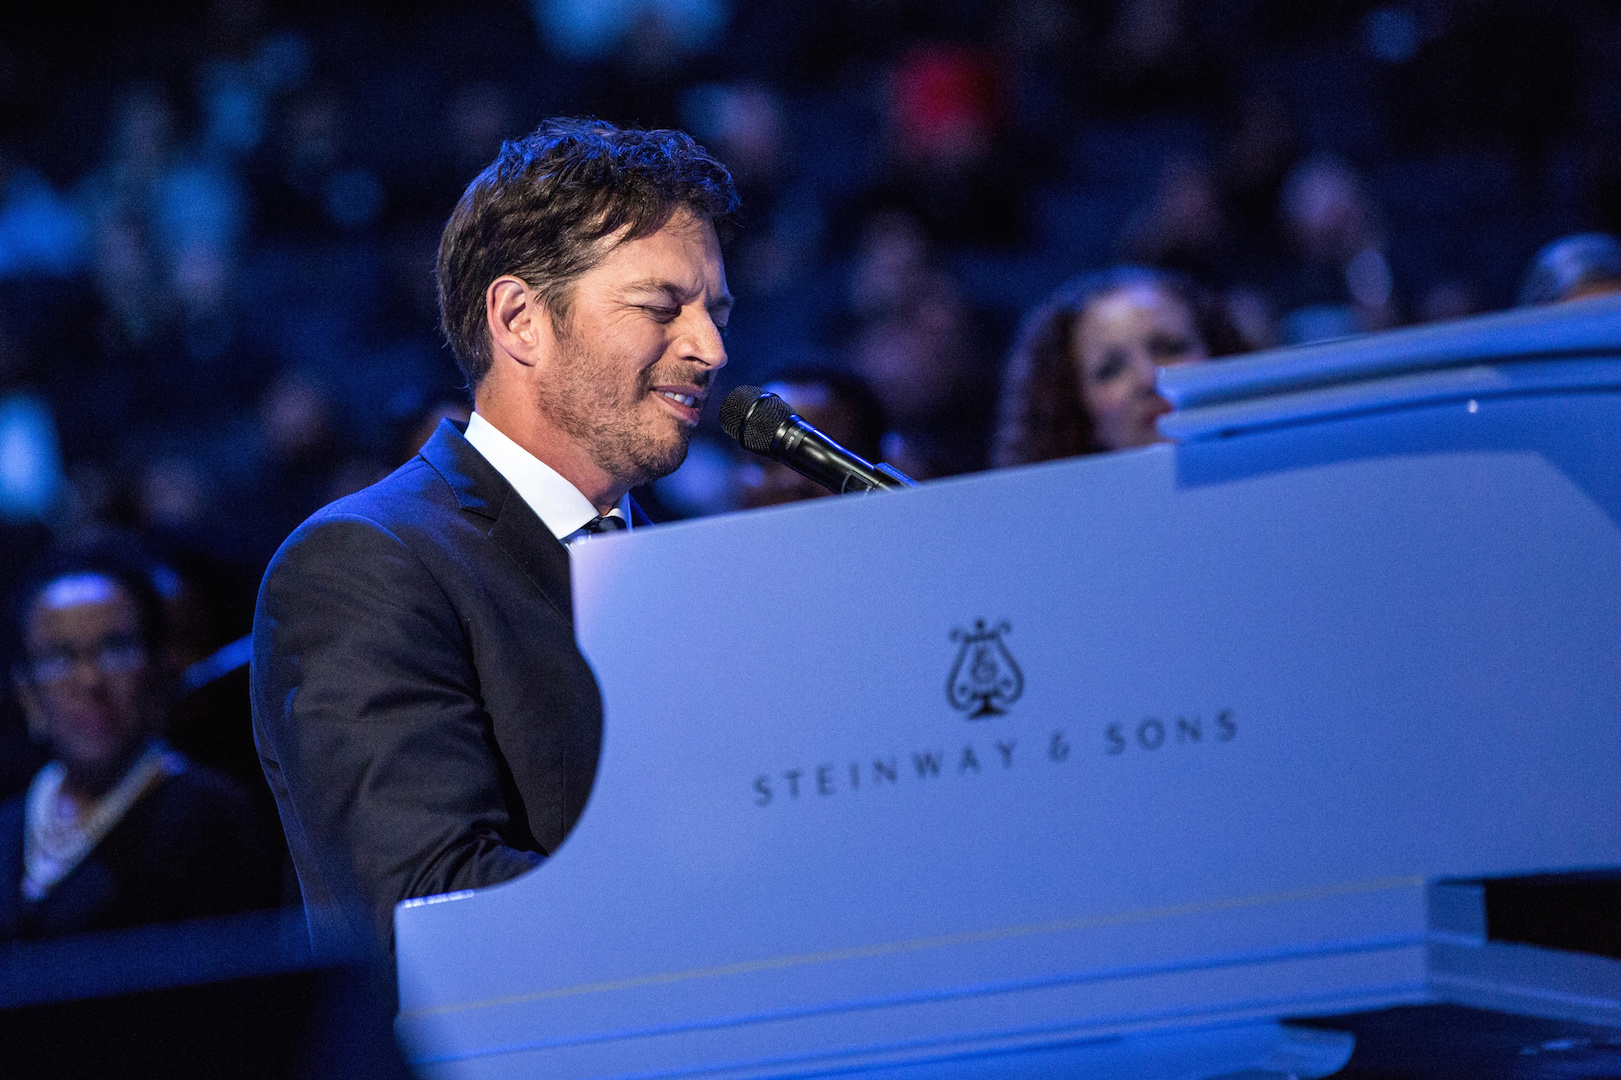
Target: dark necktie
(598,525)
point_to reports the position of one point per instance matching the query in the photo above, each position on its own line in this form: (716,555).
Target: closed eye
(1167,349)
(1114,362)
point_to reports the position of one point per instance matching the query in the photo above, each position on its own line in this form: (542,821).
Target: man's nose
(702,343)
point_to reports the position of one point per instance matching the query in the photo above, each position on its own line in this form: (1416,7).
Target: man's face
(87,683)
(639,349)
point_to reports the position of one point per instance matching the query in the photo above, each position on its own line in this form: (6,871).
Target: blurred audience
(1184,226)
(1082,377)
(255,223)
(945,126)
(118,828)
(1155,57)
(30,459)
(917,345)
(1340,280)
(299,444)
(1449,299)
(1571,268)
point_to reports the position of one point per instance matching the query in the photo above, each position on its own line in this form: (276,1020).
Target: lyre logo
(985,679)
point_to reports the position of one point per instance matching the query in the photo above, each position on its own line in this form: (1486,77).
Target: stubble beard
(599,413)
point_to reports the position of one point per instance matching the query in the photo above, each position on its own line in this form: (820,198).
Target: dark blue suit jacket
(422,712)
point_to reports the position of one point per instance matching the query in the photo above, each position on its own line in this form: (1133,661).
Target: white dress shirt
(559,504)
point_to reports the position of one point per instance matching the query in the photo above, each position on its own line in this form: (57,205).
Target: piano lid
(1561,348)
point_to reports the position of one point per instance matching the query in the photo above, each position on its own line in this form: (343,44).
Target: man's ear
(520,323)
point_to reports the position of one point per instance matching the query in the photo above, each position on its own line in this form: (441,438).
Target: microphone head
(735,408)
(753,418)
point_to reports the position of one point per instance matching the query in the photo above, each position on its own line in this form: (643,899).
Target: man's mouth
(684,401)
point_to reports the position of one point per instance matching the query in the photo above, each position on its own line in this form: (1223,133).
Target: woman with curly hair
(1081,379)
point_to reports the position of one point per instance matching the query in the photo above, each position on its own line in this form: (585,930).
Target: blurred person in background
(122,195)
(1573,268)
(945,122)
(632,55)
(294,462)
(1256,156)
(837,403)
(118,829)
(1081,378)
(1154,58)
(32,486)
(1448,299)
(1183,227)
(311,184)
(916,344)
(746,125)
(1341,282)
(921,363)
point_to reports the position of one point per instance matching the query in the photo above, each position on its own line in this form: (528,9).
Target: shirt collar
(559,504)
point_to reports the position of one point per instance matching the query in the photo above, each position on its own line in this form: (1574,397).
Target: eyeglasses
(118,655)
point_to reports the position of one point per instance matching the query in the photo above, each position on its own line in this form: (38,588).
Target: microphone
(764,424)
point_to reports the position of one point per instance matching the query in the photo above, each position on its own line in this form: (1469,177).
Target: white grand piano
(1094,768)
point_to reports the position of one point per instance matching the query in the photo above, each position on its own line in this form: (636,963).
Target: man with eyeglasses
(117,829)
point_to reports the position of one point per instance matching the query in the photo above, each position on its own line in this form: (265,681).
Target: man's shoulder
(396,545)
(412,506)
(411,493)
(444,479)
(412,498)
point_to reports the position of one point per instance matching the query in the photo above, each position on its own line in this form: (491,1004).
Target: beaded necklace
(59,830)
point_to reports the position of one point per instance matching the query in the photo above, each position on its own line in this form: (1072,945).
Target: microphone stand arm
(813,455)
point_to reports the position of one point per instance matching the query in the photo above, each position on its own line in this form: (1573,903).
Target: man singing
(422,712)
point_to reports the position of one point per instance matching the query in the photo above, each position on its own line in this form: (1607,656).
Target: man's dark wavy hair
(1042,415)
(541,210)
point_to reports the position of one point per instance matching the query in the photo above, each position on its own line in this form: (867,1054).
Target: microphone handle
(813,455)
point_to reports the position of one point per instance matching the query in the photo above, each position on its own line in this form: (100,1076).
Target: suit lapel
(522,535)
(515,528)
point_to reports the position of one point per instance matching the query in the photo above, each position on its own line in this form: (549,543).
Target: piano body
(1122,757)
